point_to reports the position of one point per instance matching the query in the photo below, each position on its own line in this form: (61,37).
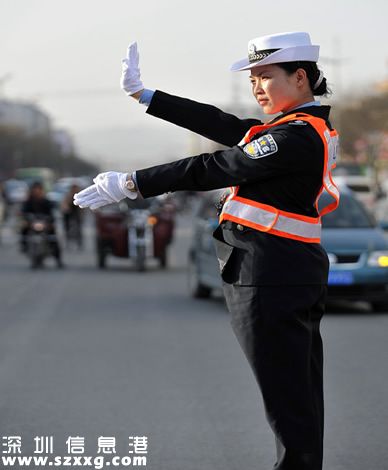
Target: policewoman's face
(276,91)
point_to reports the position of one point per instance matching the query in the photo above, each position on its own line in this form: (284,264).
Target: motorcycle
(138,230)
(140,237)
(40,239)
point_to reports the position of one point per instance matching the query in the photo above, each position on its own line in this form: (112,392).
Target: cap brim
(290,54)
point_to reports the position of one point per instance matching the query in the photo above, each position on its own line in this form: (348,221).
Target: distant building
(26,116)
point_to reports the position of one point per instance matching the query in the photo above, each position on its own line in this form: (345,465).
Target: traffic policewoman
(273,267)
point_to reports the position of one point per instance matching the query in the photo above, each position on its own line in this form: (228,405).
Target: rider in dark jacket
(38,204)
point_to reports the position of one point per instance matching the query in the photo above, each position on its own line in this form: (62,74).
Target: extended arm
(200,118)
(203,119)
(277,154)
(223,168)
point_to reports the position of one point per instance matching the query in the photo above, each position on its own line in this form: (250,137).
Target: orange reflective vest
(266,218)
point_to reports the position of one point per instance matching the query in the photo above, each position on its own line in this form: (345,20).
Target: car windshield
(349,169)
(350,213)
(360,188)
(15,184)
(60,188)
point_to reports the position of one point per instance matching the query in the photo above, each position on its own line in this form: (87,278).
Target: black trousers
(278,330)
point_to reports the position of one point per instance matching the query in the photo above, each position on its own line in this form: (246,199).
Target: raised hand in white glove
(108,187)
(130,73)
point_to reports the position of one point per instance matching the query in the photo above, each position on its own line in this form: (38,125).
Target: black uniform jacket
(288,177)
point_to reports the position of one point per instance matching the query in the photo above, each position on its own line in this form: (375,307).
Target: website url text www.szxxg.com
(72,461)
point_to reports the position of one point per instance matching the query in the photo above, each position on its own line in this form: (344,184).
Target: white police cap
(276,48)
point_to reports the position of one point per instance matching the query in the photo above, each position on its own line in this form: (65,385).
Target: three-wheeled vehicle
(139,230)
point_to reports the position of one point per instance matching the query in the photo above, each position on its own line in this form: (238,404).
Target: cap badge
(254,55)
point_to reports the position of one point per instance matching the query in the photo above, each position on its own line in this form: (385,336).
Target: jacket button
(240,227)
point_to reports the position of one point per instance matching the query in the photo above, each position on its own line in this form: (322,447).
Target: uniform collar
(318,111)
(306,105)
(322,111)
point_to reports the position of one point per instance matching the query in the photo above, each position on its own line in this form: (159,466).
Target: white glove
(108,187)
(130,73)
(89,197)
(111,185)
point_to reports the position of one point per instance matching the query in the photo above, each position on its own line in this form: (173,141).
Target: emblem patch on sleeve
(261,147)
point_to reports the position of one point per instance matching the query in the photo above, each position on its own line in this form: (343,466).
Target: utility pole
(336,62)
(5,78)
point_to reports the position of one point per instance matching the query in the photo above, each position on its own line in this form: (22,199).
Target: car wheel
(163,260)
(381,306)
(196,289)
(36,261)
(140,260)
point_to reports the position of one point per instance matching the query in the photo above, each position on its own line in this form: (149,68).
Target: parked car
(3,213)
(16,191)
(357,249)
(138,230)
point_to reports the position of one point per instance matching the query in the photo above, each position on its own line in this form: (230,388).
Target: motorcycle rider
(38,204)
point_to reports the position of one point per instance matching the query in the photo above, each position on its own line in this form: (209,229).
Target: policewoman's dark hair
(312,73)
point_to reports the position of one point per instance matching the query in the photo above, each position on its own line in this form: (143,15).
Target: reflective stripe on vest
(269,219)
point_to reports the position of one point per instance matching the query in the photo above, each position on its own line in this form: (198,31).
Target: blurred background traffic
(124,303)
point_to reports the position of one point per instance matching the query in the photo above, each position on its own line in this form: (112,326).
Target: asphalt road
(118,353)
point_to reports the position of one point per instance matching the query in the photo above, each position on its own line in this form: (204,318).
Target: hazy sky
(66,55)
